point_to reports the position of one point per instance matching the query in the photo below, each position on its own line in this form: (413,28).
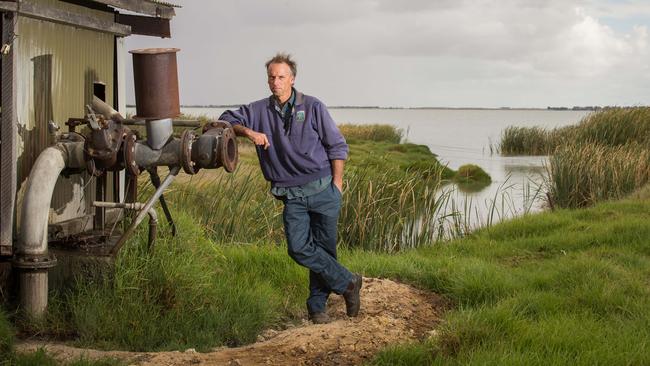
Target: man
(302,153)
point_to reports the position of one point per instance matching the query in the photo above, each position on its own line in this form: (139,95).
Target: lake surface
(464,136)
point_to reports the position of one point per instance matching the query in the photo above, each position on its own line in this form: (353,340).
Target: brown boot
(352,296)
(319,318)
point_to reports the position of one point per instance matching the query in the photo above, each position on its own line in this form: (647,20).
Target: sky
(415,53)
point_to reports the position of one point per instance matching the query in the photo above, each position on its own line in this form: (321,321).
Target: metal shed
(56,55)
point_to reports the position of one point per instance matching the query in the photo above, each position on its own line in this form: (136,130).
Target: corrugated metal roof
(165,3)
(157,8)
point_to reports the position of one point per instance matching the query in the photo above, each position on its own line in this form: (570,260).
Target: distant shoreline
(575,109)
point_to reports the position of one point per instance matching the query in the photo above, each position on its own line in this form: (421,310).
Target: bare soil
(391,313)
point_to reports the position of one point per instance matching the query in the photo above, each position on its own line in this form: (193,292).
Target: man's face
(280,81)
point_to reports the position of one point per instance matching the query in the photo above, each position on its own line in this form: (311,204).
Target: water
(463,136)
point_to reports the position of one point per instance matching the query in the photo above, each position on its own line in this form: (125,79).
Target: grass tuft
(376,132)
(470,174)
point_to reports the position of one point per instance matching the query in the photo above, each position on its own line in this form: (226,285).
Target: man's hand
(338,183)
(259,139)
(337,173)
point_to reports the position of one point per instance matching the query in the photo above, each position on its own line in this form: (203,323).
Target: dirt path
(391,313)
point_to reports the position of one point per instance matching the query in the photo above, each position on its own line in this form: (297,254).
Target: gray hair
(283,58)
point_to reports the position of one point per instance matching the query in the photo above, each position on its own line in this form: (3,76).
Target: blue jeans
(310,227)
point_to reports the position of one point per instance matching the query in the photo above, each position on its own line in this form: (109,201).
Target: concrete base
(89,261)
(76,265)
(87,258)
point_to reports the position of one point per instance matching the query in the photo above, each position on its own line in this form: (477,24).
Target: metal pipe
(175,122)
(32,256)
(153,216)
(158,132)
(38,194)
(138,219)
(155,180)
(145,156)
(103,108)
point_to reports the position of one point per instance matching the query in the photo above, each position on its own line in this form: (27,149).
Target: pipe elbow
(38,195)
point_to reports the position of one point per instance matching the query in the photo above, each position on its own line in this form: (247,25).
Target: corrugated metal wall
(56,67)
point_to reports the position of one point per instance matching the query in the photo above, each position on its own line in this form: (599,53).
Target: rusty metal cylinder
(156,83)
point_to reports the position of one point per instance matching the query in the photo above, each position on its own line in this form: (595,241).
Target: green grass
(374,132)
(562,288)
(565,287)
(6,338)
(188,293)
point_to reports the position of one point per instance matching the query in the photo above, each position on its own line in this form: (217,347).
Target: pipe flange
(187,139)
(216,124)
(34,262)
(229,155)
(129,155)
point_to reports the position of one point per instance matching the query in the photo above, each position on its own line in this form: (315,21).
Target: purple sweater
(303,153)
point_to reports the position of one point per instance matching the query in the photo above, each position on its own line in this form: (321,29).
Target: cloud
(418,52)
(550,36)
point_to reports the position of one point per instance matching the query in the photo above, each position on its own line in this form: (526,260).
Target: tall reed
(604,157)
(614,127)
(390,211)
(611,127)
(532,140)
(583,174)
(390,200)
(233,208)
(386,211)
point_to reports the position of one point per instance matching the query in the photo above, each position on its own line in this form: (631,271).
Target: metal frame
(8,132)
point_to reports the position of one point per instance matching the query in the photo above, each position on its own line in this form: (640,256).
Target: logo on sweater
(300,116)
